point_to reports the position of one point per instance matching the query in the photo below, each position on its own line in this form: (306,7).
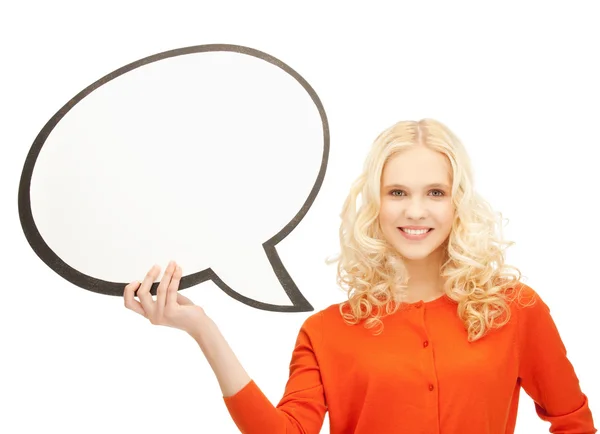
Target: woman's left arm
(546,373)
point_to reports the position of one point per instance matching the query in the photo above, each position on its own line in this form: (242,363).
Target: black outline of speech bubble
(45,253)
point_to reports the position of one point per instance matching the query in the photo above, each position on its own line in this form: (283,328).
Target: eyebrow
(434,185)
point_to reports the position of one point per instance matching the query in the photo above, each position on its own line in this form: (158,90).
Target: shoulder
(325,316)
(520,294)
(523,298)
(527,306)
(324,319)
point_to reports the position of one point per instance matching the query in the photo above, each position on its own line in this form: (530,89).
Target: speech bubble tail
(260,280)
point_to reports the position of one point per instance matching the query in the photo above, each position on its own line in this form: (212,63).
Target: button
(425,344)
(431,387)
(419,304)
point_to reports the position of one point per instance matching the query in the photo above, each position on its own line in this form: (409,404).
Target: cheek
(387,216)
(446,216)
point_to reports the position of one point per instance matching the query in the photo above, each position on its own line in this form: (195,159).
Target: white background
(517,82)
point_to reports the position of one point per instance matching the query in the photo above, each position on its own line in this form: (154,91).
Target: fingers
(161,292)
(174,286)
(143,292)
(130,302)
(167,294)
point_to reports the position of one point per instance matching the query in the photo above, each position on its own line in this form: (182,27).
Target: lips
(412,229)
(415,236)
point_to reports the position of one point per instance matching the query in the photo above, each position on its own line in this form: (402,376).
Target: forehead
(417,166)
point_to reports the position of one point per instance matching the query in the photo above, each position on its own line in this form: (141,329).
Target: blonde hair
(475,273)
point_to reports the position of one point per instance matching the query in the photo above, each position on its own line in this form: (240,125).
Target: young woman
(438,334)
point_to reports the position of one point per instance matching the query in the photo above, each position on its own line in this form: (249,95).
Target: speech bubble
(210,155)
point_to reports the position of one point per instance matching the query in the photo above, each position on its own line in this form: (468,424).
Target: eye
(400,193)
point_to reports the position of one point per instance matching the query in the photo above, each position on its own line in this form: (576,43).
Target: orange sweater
(421,375)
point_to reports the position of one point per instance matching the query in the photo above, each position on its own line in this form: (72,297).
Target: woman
(438,335)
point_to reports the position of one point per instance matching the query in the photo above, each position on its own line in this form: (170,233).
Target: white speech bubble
(208,155)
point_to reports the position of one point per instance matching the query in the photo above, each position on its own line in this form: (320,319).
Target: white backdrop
(518,83)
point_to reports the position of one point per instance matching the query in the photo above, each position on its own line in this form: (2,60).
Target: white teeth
(415,232)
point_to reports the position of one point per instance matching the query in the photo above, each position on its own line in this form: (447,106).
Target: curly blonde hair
(474,269)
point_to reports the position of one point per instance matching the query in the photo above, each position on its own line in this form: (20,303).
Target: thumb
(183,300)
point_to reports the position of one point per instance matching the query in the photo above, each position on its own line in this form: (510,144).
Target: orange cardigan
(421,375)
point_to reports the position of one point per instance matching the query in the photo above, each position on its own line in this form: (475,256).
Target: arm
(547,375)
(302,408)
(231,375)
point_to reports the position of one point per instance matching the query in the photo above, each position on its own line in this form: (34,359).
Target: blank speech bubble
(209,155)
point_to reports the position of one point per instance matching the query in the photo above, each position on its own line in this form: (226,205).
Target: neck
(425,282)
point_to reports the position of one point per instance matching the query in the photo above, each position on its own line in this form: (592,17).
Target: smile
(415,234)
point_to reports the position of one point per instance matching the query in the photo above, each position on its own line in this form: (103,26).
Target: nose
(415,209)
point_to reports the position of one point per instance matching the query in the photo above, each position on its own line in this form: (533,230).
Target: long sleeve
(547,375)
(302,408)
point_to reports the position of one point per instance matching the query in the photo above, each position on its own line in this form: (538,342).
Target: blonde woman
(438,334)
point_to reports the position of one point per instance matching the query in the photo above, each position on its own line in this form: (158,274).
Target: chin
(415,252)
(413,256)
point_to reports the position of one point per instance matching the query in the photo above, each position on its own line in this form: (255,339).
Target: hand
(170,309)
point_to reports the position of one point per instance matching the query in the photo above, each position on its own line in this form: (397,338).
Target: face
(416,193)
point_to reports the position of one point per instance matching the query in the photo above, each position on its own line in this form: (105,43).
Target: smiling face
(416,192)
